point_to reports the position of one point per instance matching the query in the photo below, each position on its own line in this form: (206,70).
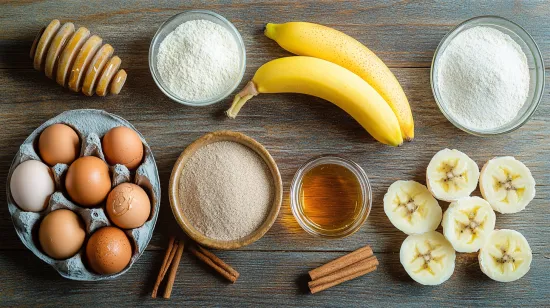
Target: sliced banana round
(428,258)
(507,184)
(467,223)
(411,208)
(506,256)
(451,175)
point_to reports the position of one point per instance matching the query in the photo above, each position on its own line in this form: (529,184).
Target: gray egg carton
(91,125)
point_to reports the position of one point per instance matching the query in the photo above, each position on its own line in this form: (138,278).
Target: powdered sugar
(199,60)
(483,78)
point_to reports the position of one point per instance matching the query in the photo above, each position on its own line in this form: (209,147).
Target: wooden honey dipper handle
(77,60)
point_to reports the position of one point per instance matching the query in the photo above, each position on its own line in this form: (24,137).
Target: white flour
(198,60)
(483,78)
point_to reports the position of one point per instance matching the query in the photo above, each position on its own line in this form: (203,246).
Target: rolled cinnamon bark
(165,264)
(216,263)
(340,263)
(325,286)
(174,269)
(348,271)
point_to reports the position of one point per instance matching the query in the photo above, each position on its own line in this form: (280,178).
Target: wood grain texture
(294,129)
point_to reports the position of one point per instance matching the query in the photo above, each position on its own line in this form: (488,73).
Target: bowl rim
(158,80)
(366,191)
(173,189)
(540,72)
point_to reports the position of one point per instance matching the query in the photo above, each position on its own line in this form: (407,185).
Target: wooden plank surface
(294,128)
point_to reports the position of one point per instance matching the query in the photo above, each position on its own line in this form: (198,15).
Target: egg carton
(91,125)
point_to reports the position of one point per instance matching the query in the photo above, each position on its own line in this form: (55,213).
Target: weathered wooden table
(293,128)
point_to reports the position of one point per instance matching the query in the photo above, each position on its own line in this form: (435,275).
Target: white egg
(31,185)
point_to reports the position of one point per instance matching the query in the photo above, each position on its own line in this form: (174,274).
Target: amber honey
(330,197)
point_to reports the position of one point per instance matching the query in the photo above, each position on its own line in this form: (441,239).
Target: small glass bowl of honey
(330,196)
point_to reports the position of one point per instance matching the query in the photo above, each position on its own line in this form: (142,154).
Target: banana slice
(428,258)
(118,82)
(95,69)
(467,223)
(82,61)
(44,44)
(451,175)
(108,72)
(57,45)
(66,59)
(506,256)
(507,184)
(411,208)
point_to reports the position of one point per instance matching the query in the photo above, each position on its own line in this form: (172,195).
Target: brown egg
(88,181)
(128,206)
(61,234)
(122,145)
(108,251)
(59,144)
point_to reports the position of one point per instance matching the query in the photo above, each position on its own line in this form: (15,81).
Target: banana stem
(241,98)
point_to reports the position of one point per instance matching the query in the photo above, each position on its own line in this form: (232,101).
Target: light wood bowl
(174,190)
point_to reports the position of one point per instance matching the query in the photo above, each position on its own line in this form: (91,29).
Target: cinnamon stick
(338,264)
(216,263)
(348,271)
(173,270)
(165,263)
(170,258)
(325,286)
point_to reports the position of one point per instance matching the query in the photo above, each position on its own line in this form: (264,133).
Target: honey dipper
(77,59)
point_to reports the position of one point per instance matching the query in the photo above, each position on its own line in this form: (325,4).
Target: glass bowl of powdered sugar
(197,58)
(487,76)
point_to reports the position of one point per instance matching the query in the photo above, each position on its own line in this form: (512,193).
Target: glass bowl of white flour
(197,58)
(487,76)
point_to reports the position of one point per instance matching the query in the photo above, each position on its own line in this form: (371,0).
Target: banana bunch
(507,186)
(336,67)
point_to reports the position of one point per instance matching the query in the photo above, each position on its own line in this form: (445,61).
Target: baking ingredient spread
(330,196)
(199,60)
(483,78)
(226,190)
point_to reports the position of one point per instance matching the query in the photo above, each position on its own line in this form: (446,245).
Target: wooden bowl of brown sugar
(225,190)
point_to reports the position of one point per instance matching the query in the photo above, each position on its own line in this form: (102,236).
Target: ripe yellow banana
(308,39)
(317,77)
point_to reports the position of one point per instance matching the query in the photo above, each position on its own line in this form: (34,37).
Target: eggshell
(88,181)
(59,144)
(108,251)
(128,206)
(31,185)
(61,234)
(122,145)
(91,126)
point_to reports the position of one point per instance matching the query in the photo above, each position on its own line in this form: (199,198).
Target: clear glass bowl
(170,25)
(311,227)
(534,59)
